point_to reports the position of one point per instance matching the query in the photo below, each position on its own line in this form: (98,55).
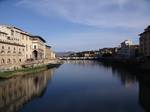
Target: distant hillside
(61,54)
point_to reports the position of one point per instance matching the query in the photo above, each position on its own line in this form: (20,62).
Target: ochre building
(18,47)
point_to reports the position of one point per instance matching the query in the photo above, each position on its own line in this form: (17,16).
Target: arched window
(8,38)
(12,32)
(34,46)
(19,60)
(2,47)
(2,52)
(3,61)
(9,52)
(8,61)
(14,60)
(20,52)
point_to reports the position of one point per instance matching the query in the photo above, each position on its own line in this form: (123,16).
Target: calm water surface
(77,86)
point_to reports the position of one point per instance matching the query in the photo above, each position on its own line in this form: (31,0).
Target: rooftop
(13,27)
(3,32)
(39,38)
(145,31)
(48,46)
(24,32)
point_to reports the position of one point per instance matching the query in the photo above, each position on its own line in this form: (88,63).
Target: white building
(127,49)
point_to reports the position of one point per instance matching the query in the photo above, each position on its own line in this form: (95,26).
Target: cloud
(90,40)
(116,20)
(98,13)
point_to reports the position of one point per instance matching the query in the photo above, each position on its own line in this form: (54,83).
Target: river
(77,86)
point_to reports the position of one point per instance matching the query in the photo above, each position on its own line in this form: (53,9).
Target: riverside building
(38,48)
(145,42)
(49,53)
(128,49)
(18,47)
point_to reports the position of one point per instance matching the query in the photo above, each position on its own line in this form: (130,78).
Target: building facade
(49,53)
(107,52)
(38,48)
(128,49)
(18,47)
(145,42)
(12,49)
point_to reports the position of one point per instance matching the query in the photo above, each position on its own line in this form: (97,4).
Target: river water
(77,86)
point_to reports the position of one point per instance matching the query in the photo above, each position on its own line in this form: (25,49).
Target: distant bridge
(77,58)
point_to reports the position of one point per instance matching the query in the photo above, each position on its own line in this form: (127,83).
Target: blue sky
(76,25)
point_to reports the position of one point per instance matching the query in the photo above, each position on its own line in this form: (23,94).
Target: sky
(77,25)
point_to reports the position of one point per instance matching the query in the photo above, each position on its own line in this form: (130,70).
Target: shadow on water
(15,92)
(127,76)
(144,92)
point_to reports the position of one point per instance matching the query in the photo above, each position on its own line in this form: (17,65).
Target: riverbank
(77,58)
(126,62)
(25,71)
(129,63)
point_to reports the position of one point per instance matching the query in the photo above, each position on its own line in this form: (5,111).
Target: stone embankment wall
(28,64)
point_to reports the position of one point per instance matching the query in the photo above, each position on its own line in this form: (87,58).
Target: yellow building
(38,48)
(49,53)
(18,36)
(12,49)
(18,47)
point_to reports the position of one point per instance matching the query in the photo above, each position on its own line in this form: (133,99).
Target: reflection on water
(17,91)
(144,92)
(127,78)
(78,86)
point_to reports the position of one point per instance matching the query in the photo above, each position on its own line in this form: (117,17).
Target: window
(9,52)
(2,52)
(34,46)
(8,38)
(19,60)
(26,47)
(2,47)
(20,52)
(14,60)
(23,37)
(12,32)
(8,61)
(3,61)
